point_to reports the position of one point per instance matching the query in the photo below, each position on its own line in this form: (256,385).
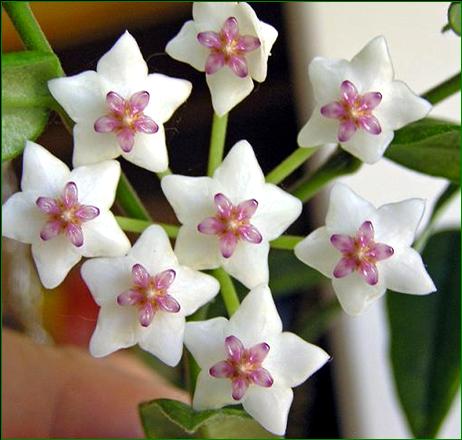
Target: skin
(51,392)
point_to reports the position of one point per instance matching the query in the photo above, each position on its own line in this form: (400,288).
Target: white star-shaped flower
(64,214)
(144,298)
(229,220)
(366,250)
(249,360)
(359,105)
(120,109)
(229,43)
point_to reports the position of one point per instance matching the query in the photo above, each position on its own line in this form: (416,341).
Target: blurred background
(353,396)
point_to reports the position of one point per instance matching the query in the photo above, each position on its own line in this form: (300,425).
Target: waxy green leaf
(165,418)
(25,97)
(454,17)
(425,339)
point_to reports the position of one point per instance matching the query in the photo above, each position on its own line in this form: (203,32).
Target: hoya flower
(120,109)
(248,360)
(367,250)
(359,104)
(229,43)
(229,220)
(144,298)
(64,214)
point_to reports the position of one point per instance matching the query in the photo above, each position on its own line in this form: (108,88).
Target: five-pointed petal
(229,82)
(197,202)
(119,326)
(27,214)
(120,109)
(359,104)
(393,226)
(289,360)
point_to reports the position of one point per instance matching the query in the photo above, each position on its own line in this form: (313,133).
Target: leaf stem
(217,142)
(228,291)
(289,165)
(339,163)
(443,90)
(27,26)
(446,196)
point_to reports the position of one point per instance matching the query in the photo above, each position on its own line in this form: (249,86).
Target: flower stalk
(442,91)
(217,142)
(228,291)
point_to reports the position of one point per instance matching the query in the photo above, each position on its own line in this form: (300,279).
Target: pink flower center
(65,214)
(229,48)
(243,366)
(360,253)
(353,111)
(125,118)
(231,224)
(150,294)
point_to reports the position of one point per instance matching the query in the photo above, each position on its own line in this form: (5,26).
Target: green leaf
(429,146)
(165,418)
(454,17)
(425,339)
(25,97)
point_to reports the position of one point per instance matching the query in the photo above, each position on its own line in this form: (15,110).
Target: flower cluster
(228,220)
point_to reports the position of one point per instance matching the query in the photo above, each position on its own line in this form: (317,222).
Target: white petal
(354,294)
(249,263)
(347,211)
(291,360)
(42,172)
(107,278)
(206,341)
(317,251)
(258,60)
(405,272)
(153,250)
(400,106)
(123,65)
(82,96)
(164,337)
(116,328)
(184,47)
(276,211)
(91,147)
(318,130)
(212,393)
(227,89)
(103,237)
(97,183)
(211,16)
(54,259)
(149,151)
(193,289)
(396,223)
(191,197)
(326,75)
(196,250)
(166,95)
(240,174)
(269,406)
(373,65)
(368,147)
(21,218)
(256,319)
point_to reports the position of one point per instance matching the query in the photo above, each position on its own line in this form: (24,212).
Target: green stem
(443,90)
(27,26)
(338,164)
(228,292)
(286,242)
(451,190)
(289,165)
(217,142)
(129,200)
(138,226)
(162,174)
